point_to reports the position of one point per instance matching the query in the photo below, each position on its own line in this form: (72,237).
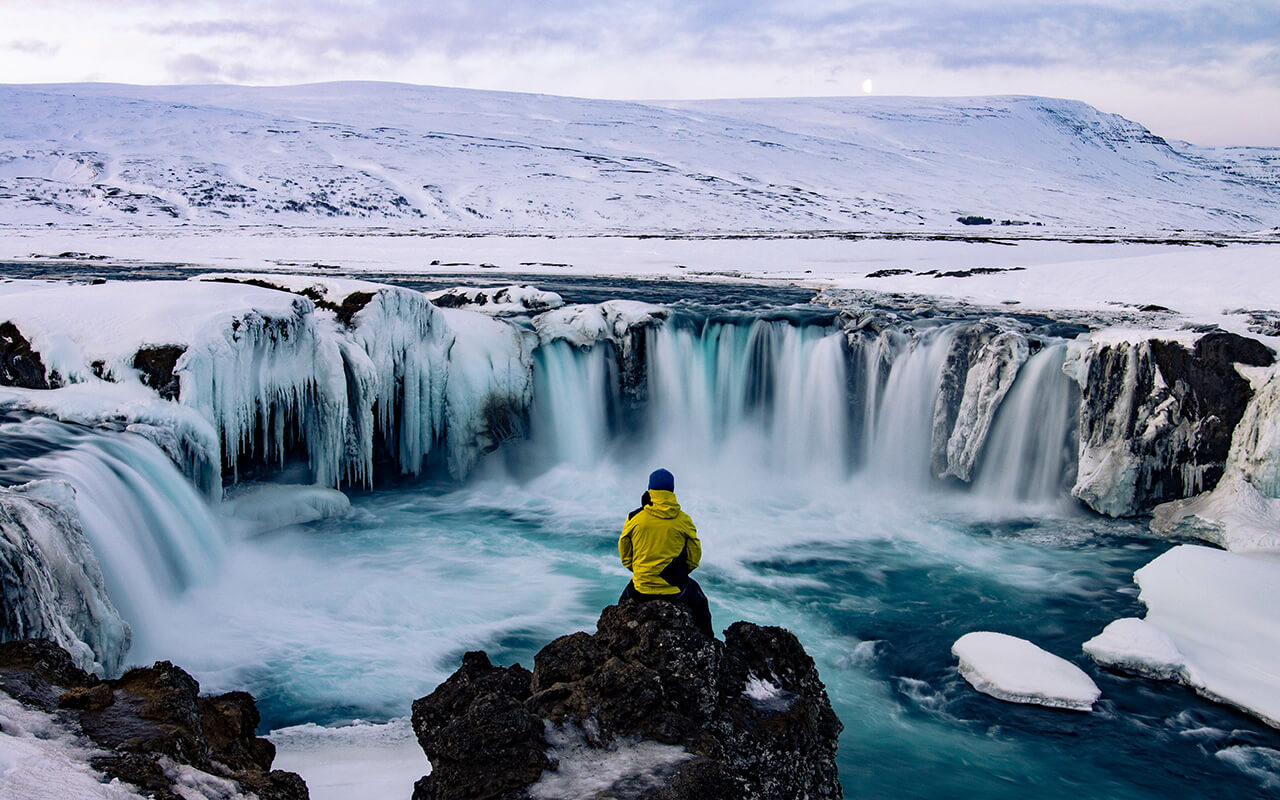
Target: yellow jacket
(654,537)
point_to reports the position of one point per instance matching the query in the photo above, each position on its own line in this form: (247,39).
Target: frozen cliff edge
(1159,413)
(647,707)
(51,585)
(149,733)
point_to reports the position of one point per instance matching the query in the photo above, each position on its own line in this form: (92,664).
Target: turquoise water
(354,618)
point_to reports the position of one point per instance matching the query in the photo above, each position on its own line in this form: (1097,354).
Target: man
(659,544)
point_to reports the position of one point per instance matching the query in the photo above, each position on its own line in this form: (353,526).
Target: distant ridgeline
(354,382)
(368,155)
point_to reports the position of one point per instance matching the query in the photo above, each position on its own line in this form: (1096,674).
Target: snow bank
(266,506)
(1016,670)
(372,761)
(40,759)
(50,580)
(497,300)
(1234,516)
(1218,610)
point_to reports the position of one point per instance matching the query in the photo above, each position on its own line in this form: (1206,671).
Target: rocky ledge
(150,727)
(646,708)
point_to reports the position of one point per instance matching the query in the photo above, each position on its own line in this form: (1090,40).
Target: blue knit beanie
(662,481)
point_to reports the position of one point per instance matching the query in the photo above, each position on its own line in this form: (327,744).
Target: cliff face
(1158,416)
(658,710)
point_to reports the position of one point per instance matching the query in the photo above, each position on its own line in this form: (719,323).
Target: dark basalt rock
(147,714)
(156,364)
(1171,410)
(646,674)
(20,366)
(480,737)
(31,670)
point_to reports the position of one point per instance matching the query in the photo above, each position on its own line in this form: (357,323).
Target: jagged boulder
(149,720)
(744,718)
(1157,417)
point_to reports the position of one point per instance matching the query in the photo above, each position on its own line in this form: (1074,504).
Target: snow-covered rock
(1210,624)
(490,386)
(584,325)
(51,584)
(1013,669)
(497,300)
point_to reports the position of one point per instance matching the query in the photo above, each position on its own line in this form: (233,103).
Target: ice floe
(1013,669)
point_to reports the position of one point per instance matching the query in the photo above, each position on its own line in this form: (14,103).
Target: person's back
(659,544)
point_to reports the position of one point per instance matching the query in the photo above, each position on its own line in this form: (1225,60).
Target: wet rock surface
(751,713)
(150,722)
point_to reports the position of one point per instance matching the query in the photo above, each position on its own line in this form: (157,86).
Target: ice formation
(265,506)
(1158,414)
(51,581)
(1018,671)
(1210,624)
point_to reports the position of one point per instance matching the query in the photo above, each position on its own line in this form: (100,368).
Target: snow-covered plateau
(369,155)
(311,389)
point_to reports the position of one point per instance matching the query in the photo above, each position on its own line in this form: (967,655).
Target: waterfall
(574,390)
(153,533)
(787,398)
(1030,451)
(900,434)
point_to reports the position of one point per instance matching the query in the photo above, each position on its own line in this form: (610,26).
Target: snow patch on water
(1013,669)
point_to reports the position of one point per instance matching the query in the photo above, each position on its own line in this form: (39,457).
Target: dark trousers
(691,597)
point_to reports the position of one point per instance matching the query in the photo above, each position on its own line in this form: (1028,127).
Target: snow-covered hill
(370,155)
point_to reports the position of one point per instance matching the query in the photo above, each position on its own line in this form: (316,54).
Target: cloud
(951,34)
(35,47)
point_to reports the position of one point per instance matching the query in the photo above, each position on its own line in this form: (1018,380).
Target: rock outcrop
(689,717)
(1158,416)
(151,725)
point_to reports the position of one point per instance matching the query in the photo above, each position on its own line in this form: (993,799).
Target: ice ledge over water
(1210,624)
(1013,669)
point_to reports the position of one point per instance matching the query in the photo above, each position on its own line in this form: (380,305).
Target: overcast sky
(1208,72)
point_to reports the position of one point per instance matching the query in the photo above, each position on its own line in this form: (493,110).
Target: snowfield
(367,155)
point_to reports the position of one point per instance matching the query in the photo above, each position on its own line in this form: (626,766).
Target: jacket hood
(663,504)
